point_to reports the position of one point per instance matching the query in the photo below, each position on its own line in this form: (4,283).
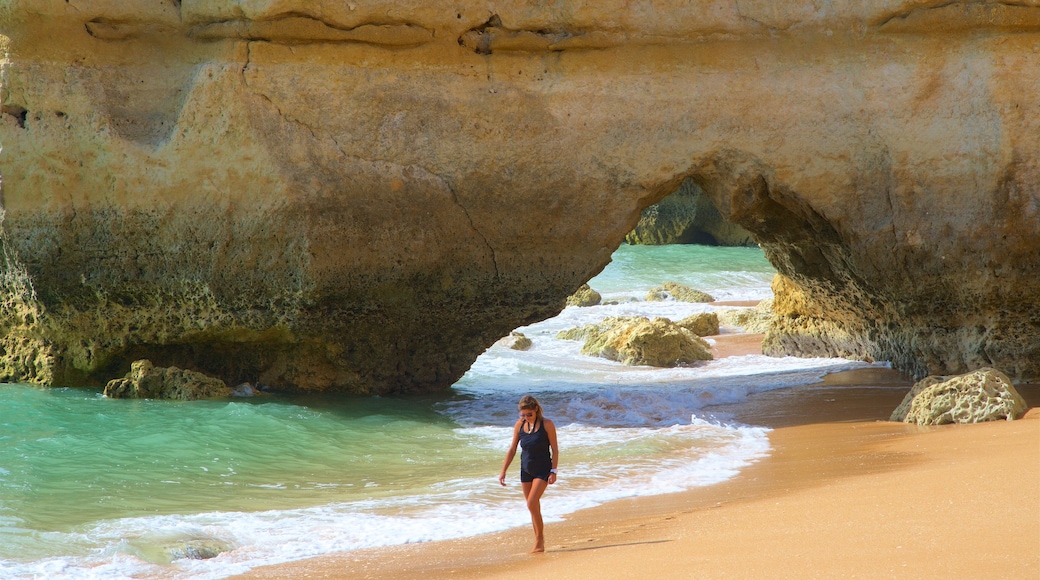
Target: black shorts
(526,477)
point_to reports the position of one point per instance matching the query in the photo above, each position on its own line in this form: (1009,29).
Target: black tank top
(536,457)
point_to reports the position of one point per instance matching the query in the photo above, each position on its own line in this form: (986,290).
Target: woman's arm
(510,453)
(550,430)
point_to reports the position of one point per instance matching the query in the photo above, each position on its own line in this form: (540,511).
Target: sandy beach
(844,493)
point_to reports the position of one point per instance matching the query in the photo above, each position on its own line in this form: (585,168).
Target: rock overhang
(381,191)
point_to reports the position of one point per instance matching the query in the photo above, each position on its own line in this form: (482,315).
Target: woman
(537,436)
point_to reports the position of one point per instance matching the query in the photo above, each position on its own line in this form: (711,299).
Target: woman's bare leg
(533,493)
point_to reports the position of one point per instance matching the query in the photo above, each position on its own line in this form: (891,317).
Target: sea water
(98,488)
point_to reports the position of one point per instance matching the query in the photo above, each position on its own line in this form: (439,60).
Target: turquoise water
(94,487)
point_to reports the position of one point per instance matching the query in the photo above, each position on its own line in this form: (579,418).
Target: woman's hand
(502,478)
(552,478)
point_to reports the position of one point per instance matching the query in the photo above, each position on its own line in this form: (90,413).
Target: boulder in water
(637,340)
(515,341)
(985,394)
(678,292)
(584,296)
(146,381)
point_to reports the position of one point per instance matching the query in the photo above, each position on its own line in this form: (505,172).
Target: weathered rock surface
(755,320)
(362,197)
(982,395)
(515,341)
(585,296)
(679,292)
(701,324)
(687,217)
(638,340)
(146,381)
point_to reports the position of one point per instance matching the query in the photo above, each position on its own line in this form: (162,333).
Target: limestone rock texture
(701,324)
(678,292)
(638,340)
(687,216)
(985,394)
(147,381)
(363,196)
(585,296)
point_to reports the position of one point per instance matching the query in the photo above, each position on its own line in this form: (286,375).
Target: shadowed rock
(146,381)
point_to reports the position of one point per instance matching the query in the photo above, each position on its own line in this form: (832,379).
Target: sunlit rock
(637,340)
(701,324)
(985,394)
(679,292)
(584,296)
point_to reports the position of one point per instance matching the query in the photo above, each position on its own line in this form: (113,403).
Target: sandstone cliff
(362,196)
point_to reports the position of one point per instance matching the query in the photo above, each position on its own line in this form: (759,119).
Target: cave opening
(687,216)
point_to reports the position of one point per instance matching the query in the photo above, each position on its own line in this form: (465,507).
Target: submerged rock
(584,296)
(679,292)
(199,549)
(982,395)
(637,340)
(146,381)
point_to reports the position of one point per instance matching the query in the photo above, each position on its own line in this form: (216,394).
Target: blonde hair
(529,403)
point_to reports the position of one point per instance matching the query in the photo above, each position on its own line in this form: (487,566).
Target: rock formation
(362,197)
(515,341)
(146,381)
(679,292)
(755,320)
(584,296)
(701,324)
(687,217)
(638,340)
(982,395)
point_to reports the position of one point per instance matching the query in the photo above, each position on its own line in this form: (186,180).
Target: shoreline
(843,492)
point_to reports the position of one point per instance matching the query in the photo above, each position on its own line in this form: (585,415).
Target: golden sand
(844,493)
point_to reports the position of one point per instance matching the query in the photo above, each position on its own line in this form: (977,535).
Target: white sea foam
(624,432)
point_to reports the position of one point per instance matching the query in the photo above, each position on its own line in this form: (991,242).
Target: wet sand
(843,493)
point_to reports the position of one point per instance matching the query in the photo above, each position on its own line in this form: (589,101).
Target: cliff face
(362,198)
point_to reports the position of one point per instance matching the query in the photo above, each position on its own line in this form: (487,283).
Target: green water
(78,457)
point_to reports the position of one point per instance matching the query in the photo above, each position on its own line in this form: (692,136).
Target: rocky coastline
(362,199)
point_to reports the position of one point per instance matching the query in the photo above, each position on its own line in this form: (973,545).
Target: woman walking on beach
(537,436)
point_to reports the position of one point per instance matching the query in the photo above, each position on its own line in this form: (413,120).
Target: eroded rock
(584,296)
(701,324)
(687,217)
(679,292)
(982,395)
(637,340)
(146,381)
(515,341)
(754,320)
